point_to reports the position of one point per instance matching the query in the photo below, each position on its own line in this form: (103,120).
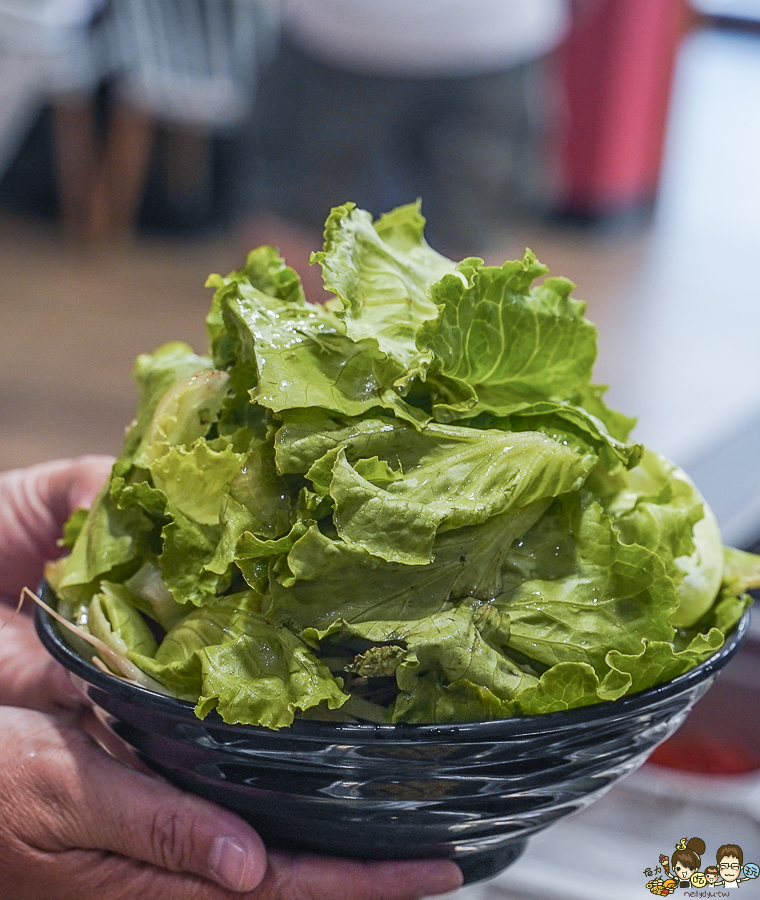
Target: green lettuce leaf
(441,663)
(229,658)
(326,579)
(262,492)
(411,504)
(265,271)
(110,538)
(150,596)
(610,594)
(293,355)
(741,570)
(572,424)
(499,340)
(155,374)
(194,479)
(565,685)
(114,619)
(658,506)
(381,274)
(464,478)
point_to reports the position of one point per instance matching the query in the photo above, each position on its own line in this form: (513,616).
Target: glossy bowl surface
(471,792)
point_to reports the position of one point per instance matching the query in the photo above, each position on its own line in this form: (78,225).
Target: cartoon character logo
(730,860)
(682,869)
(686,860)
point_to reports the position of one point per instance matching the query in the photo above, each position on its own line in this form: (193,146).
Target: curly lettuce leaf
(110,538)
(381,274)
(464,478)
(443,664)
(565,685)
(325,579)
(437,516)
(194,479)
(264,270)
(290,356)
(570,423)
(186,558)
(568,685)
(610,594)
(229,658)
(658,506)
(155,374)
(499,340)
(262,492)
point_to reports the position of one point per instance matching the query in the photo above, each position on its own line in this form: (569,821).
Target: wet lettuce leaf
(464,479)
(499,339)
(156,374)
(228,658)
(442,662)
(411,504)
(381,274)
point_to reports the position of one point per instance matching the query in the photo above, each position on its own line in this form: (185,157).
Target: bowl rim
(50,636)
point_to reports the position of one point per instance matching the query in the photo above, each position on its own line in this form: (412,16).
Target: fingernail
(227,862)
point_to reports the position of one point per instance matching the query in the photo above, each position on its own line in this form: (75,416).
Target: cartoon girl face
(683,872)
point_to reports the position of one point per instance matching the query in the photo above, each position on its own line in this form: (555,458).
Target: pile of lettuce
(410,505)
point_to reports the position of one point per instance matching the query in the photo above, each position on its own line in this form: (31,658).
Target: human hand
(34,505)
(75,823)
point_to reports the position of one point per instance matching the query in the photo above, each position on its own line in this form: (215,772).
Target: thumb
(114,808)
(67,484)
(34,504)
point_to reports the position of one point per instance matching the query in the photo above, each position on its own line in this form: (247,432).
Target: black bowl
(472,792)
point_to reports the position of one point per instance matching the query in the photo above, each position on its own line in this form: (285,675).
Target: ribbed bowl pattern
(471,792)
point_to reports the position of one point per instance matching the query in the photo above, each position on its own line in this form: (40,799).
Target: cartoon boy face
(711,877)
(683,872)
(729,868)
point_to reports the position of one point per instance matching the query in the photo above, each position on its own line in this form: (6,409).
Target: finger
(95,875)
(84,799)
(73,484)
(34,504)
(29,676)
(291,877)
(77,797)
(288,878)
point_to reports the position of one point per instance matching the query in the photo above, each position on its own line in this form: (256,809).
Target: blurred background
(147,143)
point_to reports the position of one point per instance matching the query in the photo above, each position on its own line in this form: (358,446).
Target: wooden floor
(72,320)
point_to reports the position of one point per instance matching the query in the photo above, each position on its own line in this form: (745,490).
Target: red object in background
(705,755)
(615,71)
